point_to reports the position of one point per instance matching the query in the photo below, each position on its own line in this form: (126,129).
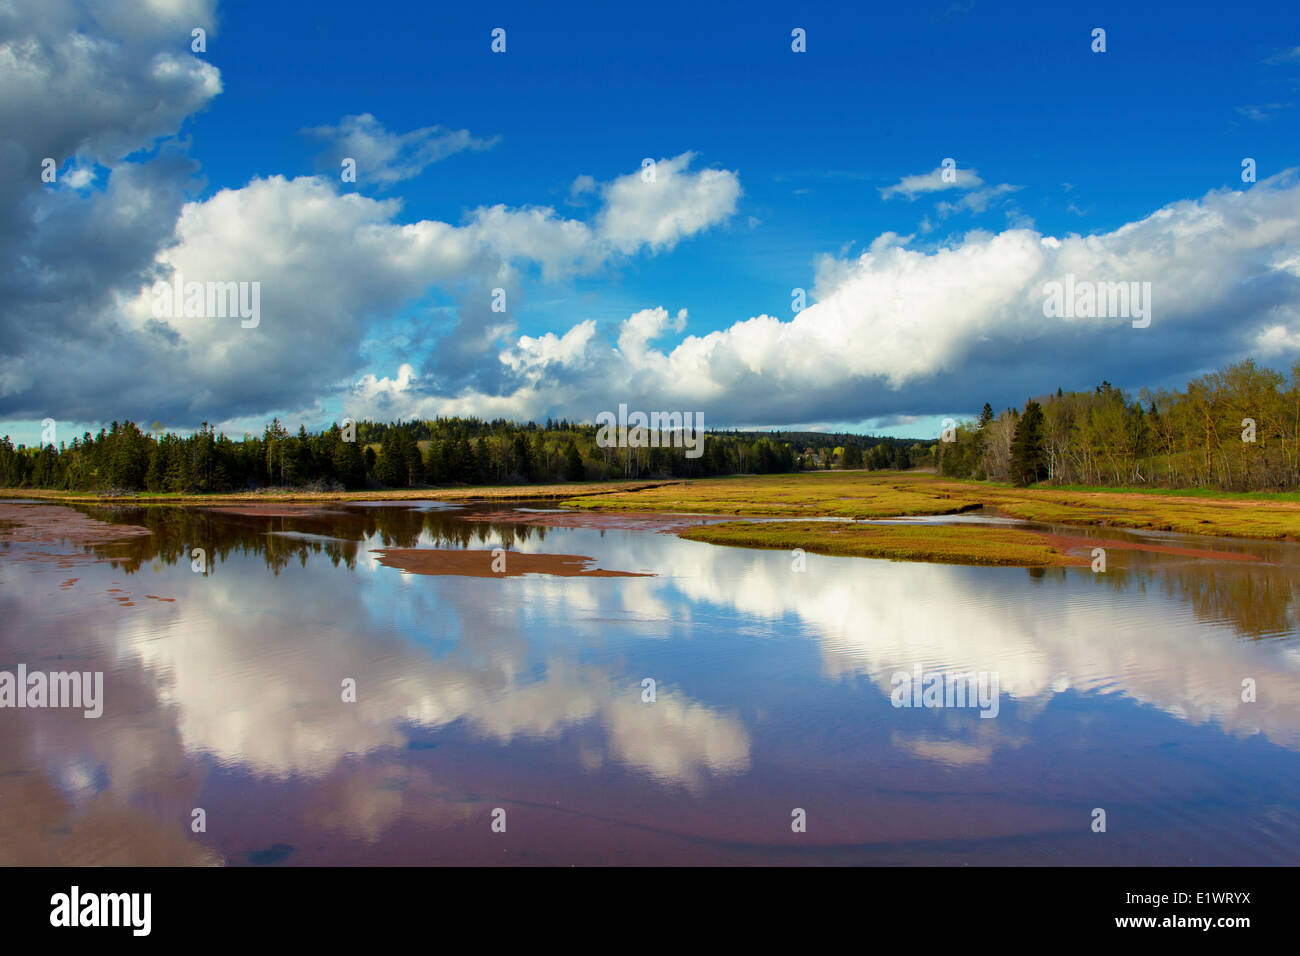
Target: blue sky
(1063,141)
(1010,89)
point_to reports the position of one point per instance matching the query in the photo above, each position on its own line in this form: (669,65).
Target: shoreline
(463,493)
(696,510)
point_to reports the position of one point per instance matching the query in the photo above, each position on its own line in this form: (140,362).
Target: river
(722,707)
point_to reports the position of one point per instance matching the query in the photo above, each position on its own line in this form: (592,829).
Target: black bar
(297,905)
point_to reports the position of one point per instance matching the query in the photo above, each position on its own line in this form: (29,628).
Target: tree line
(411,454)
(1235,430)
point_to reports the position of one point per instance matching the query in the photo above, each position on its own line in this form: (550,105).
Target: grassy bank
(945,544)
(1224,516)
(840,494)
(896,494)
(834,494)
(1186,493)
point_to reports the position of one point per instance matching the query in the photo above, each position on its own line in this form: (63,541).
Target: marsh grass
(837,494)
(807,495)
(944,544)
(884,494)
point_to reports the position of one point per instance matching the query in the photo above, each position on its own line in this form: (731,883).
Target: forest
(444,451)
(1233,430)
(1236,430)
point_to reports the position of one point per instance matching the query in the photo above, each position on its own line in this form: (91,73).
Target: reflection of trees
(1256,599)
(1259,598)
(176,531)
(340,534)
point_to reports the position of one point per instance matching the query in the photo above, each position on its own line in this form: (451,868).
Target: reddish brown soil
(478,564)
(56,523)
(61,561)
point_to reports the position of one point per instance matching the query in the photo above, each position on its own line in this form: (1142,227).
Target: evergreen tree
(391,469)
(573,467)
(482,463)
(274,442)
(462,460)
(435,462)
(349,464)
(1028,454)
(413,461)
(541,470)
(523,457)
(156,475)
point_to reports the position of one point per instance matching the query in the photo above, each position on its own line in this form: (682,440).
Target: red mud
(61,561)
(56,523)
(478,564)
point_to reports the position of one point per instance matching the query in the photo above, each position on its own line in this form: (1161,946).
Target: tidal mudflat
(686,711)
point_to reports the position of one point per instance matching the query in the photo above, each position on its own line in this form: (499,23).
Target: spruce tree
(462,460)
(573,468)
(1028,453)
(435,462)
(155,477)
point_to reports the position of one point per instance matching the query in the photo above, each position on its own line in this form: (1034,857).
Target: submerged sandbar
(487,564)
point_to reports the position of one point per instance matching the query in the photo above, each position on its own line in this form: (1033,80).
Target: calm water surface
(1120,691)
